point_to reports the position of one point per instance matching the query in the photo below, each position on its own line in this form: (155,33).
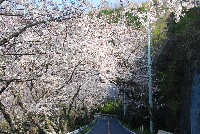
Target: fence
(81,129)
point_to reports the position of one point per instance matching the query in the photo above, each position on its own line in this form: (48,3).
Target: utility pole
(150,81)
(124,105)
(114,103)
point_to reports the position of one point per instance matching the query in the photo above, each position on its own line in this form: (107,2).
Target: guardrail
(81,129)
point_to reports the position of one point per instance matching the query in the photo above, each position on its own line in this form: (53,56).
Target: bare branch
(73,72)
(5,86)
(10,14)
(24,54)
(1,1)
(16,34)
(7,83)
(135,49)
(16,80)
(67,82)
(73,99)
(109,79)
(81,100)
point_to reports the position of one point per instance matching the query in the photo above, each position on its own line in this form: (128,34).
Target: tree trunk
(8,118)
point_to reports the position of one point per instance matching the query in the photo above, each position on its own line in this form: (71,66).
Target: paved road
(108,125)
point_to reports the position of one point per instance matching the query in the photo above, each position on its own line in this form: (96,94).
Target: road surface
(108,125)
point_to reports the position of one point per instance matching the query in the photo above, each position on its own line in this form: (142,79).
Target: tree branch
(1,1)
(16,80)
(73,99)
(23,54)
(8,118)
(135,49)
(67,82)
(10,14)
(16,34)
(5,86)
(29,115)
(5,132)
(149,108)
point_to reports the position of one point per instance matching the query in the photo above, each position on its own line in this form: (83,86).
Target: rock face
(195,100)
(190,116)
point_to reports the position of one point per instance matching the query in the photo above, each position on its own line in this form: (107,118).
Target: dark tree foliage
(132,20)
(175,59)
(113,16)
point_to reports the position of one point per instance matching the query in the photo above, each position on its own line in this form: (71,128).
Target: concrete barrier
(163,132)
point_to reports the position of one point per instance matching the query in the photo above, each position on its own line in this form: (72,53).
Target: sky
(96,3)
(113,2)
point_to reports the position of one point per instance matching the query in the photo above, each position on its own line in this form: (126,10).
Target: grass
(137,129)
(126,125)
(145,131)
(88,129)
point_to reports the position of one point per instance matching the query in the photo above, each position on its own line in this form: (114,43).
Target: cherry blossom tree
(41,63)
(57,61)
(27,71)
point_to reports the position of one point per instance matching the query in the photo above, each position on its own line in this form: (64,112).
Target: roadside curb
(92,127)
(83,128)
(126,128)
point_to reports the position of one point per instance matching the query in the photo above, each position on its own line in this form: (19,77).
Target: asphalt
(108,125)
